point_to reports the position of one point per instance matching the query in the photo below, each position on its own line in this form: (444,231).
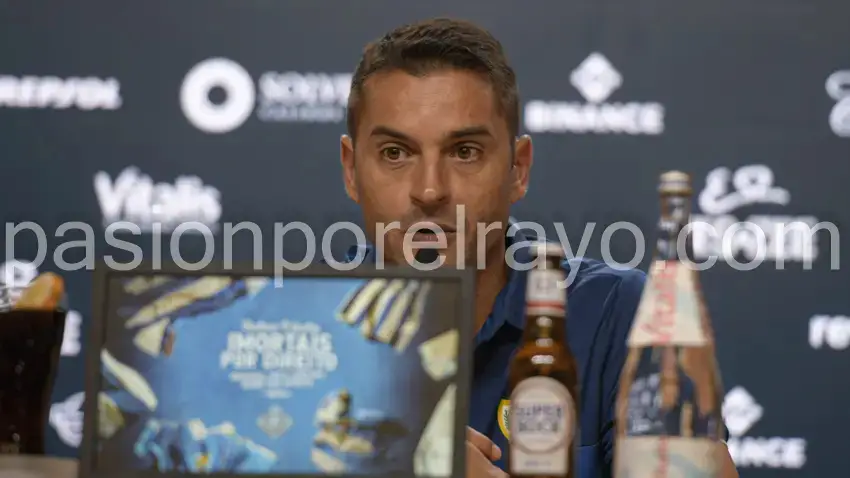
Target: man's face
(424,146)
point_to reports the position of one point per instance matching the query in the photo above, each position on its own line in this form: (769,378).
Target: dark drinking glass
(30,342)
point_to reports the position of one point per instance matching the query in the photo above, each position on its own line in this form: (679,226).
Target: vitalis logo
(135,198)
(282,97)
(42,92)
(17,275)
(838,88)
(741,413)
(830,332)
(596,79)
(786,238)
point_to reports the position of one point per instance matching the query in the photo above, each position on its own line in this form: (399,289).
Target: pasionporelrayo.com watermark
(703,237)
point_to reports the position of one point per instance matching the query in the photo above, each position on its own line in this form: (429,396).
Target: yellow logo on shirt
(202,462)
(502,417)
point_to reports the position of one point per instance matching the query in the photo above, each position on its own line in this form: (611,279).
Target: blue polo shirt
(601,304)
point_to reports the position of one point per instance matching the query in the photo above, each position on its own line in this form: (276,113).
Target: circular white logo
(239,93)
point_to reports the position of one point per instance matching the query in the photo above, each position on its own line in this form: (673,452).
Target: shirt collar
(509,307)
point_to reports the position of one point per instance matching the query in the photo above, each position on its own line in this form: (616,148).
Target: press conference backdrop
(216,112)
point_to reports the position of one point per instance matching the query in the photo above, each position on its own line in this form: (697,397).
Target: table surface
(25,466)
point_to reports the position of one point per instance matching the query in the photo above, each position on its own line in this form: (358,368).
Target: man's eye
(392,153)
(467,153)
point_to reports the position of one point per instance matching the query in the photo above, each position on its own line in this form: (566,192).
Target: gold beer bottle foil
(44,293)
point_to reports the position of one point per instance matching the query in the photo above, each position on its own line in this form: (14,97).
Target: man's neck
(490,283)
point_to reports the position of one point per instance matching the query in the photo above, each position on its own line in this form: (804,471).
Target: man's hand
(480,454)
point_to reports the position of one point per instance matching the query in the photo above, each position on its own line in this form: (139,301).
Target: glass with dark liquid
(30,343)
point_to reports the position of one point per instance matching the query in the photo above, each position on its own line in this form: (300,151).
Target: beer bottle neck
(672,244)
(545,302)
(545,292)
(543,328)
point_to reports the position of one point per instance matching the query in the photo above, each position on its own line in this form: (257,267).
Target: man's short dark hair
(423,47)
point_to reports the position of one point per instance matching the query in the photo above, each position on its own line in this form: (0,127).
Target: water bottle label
(542,427)
(669,309)
(651,456)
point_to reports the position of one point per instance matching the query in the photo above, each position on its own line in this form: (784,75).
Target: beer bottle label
(542,426)
(545,293)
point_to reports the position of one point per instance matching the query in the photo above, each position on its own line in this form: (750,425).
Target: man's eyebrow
(478,130)
(387,131)
(470,131)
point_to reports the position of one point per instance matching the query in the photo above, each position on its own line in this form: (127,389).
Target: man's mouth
(431,235)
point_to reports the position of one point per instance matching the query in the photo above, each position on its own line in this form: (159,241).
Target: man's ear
(346,157)
(521,168)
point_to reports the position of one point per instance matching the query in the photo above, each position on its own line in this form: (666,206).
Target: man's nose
(430,185)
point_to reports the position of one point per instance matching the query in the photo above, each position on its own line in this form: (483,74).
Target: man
(433,123)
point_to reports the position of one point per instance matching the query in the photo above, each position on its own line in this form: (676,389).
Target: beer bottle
(543,379)
(668,404)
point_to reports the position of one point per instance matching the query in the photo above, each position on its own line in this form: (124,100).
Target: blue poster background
(194,382)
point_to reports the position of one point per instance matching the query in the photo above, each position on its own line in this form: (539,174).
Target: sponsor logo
(239,95)
(838,88)
(741,413)
(288,96)
(502,413)
(15,276)
(67,419)
(596,80)
(831,332)
(71,339)
(766,237)
(51,92)
(274,422)
(134,197)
